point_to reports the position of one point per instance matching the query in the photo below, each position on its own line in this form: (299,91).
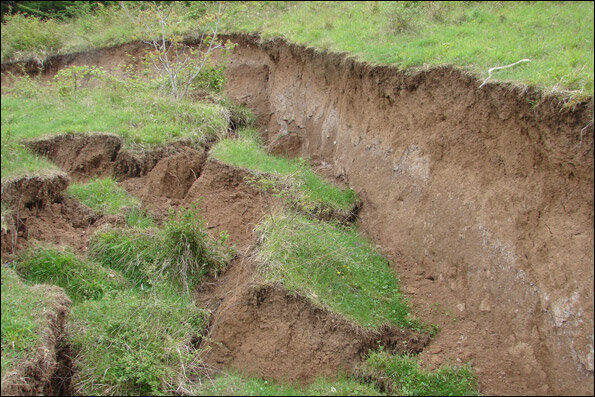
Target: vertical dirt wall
(490,190)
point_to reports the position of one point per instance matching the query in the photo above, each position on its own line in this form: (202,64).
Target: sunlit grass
(556,36)
(334,267)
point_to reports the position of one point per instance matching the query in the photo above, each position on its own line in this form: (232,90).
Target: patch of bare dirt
(487,192)
(266,331)
(228,202)
(82,156)
(49,372)
(49,217)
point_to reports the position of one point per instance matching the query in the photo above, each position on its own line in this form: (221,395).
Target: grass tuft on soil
(407,378)
(306,189)
(106,197)
(82,280)
(333,266)
(22,320)
(180,252)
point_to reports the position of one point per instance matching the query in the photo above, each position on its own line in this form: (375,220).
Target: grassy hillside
(556,36)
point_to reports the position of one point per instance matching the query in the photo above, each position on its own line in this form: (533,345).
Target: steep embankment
(489,191)
(482,198)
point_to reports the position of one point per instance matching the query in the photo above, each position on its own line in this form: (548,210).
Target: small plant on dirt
(70,79)
(190,253)
(182,252)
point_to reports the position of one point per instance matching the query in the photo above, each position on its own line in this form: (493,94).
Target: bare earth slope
(481,198)
(481,190)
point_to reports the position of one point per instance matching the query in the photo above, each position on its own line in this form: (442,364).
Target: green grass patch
(181,252)
(137,109)
(236,385)
(80,279)
(22,320)
(103,195)
(409,379)
(141,115)
(556,36)
(335,268)
(17,160)
(248,153)
(135,342)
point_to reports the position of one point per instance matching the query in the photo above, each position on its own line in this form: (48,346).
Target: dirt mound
(50,371)
(173,176)
(228,202)
(33,191)
(265,331)
(139,162)
(40,212)
(81,156)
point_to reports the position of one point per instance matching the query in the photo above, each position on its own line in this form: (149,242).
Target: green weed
(334,267)
(181,252)
(80,279)
(410,380)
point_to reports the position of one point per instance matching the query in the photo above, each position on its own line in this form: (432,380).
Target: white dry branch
(172,57)
(501,67)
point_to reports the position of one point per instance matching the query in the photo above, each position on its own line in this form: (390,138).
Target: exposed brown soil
(54,218)
(49,372)
(481,198)
(268,332)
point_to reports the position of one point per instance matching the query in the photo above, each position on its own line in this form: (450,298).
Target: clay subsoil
(481,198)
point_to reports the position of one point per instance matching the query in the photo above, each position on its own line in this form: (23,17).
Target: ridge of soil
(89,155)
(49,372)
(481,198)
